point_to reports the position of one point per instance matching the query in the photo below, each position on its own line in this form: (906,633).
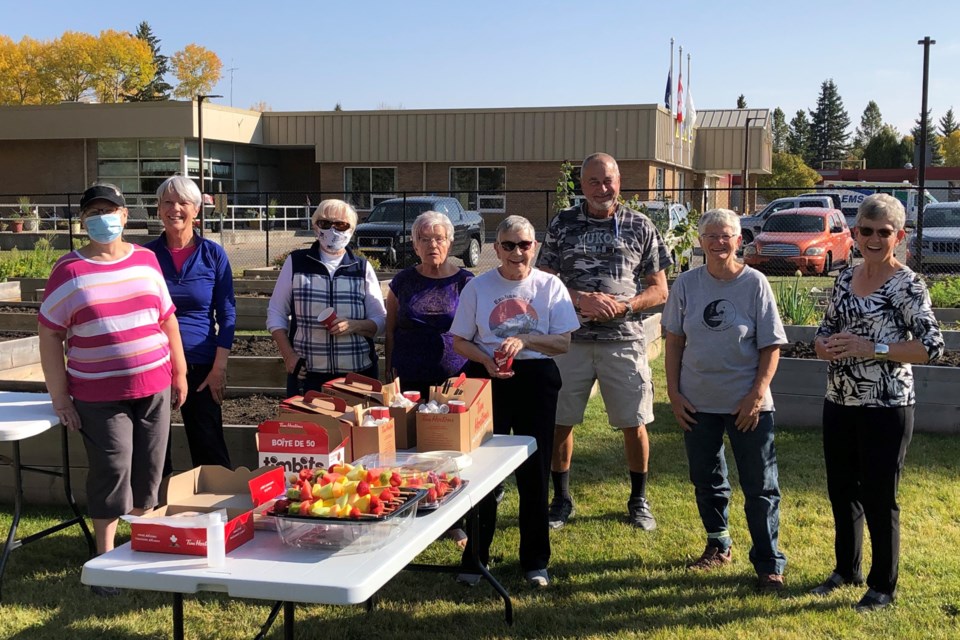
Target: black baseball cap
(107,192)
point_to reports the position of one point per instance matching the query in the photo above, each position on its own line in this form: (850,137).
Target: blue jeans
(756,459)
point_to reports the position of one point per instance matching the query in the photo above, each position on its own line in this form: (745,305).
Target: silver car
(941,238)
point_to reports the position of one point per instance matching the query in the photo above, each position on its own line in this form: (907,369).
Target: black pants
(864,449)
(203,423)
(314,381)
(526,405)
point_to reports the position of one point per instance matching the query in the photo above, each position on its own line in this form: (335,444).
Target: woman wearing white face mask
(109,303)
(327,275)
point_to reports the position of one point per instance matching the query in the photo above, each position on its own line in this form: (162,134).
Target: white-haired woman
(723,336)
(878,321)
(421,303)
(328,274)
(198,275)
(526,315)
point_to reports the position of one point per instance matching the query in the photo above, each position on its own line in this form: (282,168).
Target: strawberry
(431,495)
(455,482)
(395,479)
(354,513)
(306,474)
(376,505)
(363,488)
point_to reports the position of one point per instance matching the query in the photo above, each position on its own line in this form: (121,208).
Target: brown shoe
(769,582)
(712,558)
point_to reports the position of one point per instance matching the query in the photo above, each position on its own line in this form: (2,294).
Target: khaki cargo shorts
(624,376)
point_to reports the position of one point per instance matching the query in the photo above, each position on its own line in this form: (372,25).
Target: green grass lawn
(610,580)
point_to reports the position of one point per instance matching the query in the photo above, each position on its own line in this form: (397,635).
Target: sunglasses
(524,245)
(339,225)
(866,232)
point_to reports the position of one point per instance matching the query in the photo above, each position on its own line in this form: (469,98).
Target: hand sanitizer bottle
(216,541)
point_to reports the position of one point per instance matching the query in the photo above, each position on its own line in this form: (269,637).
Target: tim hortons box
(366,440)
(355,388)
(458,431)
(297,441)
(202,490)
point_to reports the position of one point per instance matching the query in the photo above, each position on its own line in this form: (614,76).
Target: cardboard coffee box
(458,431)
(367,440)
(357,389)
(202,490)
(297,441)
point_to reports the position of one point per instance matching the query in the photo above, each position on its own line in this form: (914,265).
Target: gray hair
(182,187)
(722,217)
(599,156)
(334,206)
(430,219)
(516,223)
(882,207)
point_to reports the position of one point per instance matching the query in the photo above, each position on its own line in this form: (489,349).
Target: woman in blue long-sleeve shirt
(200,281)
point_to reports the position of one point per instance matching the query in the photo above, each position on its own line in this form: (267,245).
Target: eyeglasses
(524,245)
(713,237)
(98,212)
(339,225)
(429,240)
(866,232)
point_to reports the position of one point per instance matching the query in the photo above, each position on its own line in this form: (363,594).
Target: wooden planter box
(799,386)
(252,313)
(20,321)
(31,289)
(806,333)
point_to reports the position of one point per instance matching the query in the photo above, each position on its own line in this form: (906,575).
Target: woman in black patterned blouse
(879,320)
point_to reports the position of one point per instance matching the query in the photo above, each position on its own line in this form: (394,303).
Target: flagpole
(678,126)
(670,106)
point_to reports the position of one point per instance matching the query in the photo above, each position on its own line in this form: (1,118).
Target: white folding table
(22,416)
(266,569)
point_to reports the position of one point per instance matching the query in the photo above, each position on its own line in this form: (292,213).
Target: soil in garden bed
(15,335)
(261,346)
(252,409)
(15,308)
(804,350)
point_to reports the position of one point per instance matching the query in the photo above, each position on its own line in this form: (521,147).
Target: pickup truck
(386,233)
(750,225)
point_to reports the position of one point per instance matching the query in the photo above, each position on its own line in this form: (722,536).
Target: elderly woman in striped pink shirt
(109,303)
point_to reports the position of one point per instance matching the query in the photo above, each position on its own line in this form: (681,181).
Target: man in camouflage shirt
(613,261)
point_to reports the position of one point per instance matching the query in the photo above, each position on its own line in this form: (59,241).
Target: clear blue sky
(448,54)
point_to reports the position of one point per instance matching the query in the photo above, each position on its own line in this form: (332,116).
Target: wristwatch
(881,351)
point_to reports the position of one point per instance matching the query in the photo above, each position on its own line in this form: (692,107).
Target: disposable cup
(327,318)
(504,363)
(457,406)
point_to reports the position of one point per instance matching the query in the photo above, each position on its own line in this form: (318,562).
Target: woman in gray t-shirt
(723,337)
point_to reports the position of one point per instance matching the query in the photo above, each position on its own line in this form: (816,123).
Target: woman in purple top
(421,304)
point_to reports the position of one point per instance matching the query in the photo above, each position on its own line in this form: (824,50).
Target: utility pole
(922,169)
(231,70)
(745,176)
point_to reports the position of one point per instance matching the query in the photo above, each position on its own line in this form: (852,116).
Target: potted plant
(15,225)
(27,213)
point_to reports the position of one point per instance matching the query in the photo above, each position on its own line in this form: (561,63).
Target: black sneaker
(873,601)
(831,584)
(561,510)
(639,514)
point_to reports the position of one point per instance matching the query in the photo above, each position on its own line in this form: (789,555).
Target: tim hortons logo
(483,417)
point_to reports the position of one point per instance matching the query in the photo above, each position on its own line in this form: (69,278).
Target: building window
(137,166)
(480,188)
(681,188)
(366,187)
(660,185)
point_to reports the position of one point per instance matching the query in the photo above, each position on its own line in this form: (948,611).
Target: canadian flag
(679,125)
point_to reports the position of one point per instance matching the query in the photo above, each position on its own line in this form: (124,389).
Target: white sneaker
(538,578)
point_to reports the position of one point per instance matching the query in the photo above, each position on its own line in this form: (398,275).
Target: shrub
(945,293)
(796,305)
(29,264)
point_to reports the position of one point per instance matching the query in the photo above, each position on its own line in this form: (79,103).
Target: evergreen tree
(798,136)
(886,150)
(934,155)
(871,122)
(741,102)
(157,89)
(947,124)
(780,130)
(828,126)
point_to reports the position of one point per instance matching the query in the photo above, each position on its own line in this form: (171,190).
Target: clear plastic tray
(344,534)
(418,468)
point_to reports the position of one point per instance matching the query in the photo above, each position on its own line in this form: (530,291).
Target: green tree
(197,70)
(871,122)
(886,150)
(791,176)
(798,136)
(780,130)
(933,143)
(741,102)
(947,124)
(951,149)
(157,88)
(828,126)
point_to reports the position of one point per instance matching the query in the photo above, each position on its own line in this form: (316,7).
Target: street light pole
(200,98)
(922,170)
(746,166)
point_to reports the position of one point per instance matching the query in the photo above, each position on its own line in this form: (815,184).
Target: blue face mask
(104,229)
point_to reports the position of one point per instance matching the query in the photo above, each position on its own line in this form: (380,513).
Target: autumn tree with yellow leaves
(197,70)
